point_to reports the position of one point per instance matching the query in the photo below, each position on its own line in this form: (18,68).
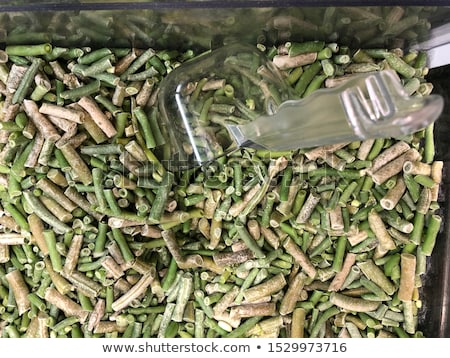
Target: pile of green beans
(99,239)
(197,26)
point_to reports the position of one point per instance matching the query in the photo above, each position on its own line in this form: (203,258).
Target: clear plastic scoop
(234,97)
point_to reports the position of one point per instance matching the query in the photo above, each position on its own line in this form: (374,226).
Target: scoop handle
(371,105)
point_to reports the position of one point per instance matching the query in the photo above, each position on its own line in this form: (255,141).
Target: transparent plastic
(368,106)
(258,111)
(244,85)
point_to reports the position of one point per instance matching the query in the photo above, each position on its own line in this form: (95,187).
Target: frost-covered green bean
(125,247)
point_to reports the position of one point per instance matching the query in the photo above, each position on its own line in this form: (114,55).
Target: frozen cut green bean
(431,234)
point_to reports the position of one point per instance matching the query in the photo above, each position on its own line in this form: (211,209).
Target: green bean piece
(102,65)
(55,257)
(93,56)
(285,183)
(400,66)
(77,164)
(339,254)
(249,241)
(296,48)
(429,150)
(40,210)
(18,167)
(138,62)
(431,233)
(97,179)
(28,50)
(330,312)
(27,79)
(123,245)
(111,202)
(17,215)
(307,77)
(79,92)
(241,330)
(162,194)
(143,121)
